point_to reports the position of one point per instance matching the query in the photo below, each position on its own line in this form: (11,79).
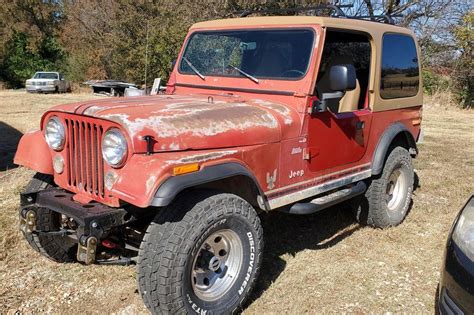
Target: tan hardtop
(376,30)
(345,23)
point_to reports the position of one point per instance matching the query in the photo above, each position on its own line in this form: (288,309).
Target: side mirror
(342,78)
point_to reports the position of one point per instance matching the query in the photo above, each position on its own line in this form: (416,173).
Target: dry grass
(20,112)
(317,264)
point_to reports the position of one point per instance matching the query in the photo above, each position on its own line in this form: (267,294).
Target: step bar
(328,200)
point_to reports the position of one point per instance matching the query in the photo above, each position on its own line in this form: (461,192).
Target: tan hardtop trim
(368,26)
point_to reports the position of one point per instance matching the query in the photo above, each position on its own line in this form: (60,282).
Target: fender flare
(34,153)
(171,187)
(386,140)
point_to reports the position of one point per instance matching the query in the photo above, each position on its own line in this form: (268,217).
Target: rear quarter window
(400,68)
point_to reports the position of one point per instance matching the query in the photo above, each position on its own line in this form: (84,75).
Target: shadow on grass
(9,138)
(416,182)
(290,234)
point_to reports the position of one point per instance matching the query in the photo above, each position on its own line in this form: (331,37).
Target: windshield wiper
(194,68)
(242,72)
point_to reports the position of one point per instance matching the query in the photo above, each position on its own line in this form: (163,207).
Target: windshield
(45,75)
(270,54)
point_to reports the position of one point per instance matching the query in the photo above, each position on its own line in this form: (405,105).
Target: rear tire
(57,248)
(388,198)
(201,255)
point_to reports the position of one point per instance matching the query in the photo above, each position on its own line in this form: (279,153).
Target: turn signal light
(184,169)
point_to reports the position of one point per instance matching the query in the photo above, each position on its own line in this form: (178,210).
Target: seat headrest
(338,60)
(341,60)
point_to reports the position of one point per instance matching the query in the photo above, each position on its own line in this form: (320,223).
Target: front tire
(388,197)
(57,248)
(201,255)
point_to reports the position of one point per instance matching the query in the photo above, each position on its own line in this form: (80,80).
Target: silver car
(52,82)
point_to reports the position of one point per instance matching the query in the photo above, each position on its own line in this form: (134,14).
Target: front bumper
(456,294)
(40,88)
(94,220)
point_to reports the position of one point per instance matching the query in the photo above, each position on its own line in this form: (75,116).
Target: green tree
(29,36)
(464,65)
(107,40)
(21,61)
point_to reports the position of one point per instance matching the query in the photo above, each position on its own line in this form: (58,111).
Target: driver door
(337,139)
(339,136)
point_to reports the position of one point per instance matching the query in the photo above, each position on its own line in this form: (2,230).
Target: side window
(341,47)
(400,69)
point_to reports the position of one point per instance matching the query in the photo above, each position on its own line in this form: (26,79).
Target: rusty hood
(178,123)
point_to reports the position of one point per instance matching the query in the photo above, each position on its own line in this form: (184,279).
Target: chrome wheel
(217,265)
(396,189)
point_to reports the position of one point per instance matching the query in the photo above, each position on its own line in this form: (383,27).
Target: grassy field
(315,264)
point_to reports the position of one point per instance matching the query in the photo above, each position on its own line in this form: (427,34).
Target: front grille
(84,158)
(447,304)
(39,83)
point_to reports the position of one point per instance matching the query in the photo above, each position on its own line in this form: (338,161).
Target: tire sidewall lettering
(246,274)
(251,263)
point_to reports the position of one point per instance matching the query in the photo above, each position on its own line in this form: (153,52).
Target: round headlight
(463,234)
(55,134)
(114,147)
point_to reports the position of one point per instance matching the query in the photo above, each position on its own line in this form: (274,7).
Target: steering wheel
(300,73)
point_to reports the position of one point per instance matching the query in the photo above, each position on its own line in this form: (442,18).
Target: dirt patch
(319,263)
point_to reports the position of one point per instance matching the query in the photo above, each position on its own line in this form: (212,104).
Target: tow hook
(28,221)
(86,249)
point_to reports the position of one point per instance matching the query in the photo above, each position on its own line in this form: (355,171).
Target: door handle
(360,125)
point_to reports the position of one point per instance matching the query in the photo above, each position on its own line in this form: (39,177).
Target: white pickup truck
(48,82)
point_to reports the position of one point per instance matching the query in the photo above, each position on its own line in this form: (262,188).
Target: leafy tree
(118,39)
(30,39)
(111,37)
(21,61)
(464,67)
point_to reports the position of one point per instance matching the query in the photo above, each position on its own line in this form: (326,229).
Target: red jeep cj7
(261,113)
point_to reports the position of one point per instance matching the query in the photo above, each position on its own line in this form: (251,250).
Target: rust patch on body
(199,158)
(198,119)
(284,111)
